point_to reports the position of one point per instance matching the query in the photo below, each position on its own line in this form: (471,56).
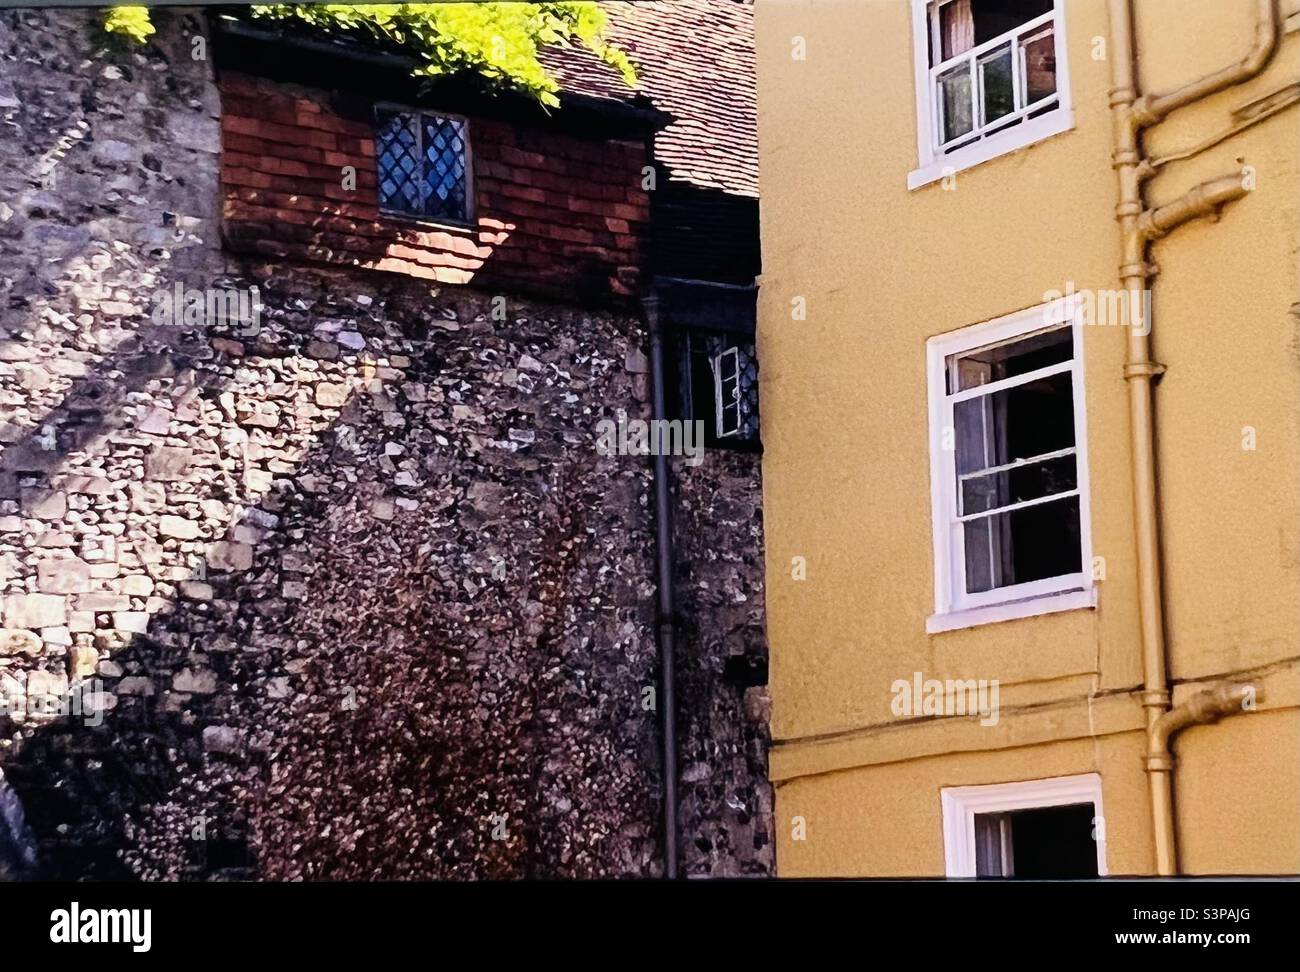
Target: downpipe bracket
(1160,762)
(1144,370)
(1146,269)
(1161,700)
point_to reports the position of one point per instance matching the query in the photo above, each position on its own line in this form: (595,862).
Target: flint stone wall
(349,594)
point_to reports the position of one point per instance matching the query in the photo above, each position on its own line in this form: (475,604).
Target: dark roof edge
(286,56)
(708,305)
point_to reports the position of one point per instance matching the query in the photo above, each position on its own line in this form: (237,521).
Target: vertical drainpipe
(666,611)
(1139,373)
(17,846)
(1132,112)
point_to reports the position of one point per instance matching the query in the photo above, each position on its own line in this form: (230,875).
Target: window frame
(471,201)
(719,385)
(953,606)
(685,403)
(961,804)
(933,165)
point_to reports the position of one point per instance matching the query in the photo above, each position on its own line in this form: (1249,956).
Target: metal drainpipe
(1138,226)
(666,605)
(1151,108)
(17,846)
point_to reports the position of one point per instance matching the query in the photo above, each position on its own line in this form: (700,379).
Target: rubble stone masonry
(346,594)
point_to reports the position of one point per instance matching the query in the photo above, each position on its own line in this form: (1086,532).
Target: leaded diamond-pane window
(423,162)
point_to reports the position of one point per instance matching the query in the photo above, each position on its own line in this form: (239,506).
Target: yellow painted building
(959,198)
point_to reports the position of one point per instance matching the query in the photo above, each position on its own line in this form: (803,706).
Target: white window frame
(962,803)
(721,404)
(934,165)
(953,606)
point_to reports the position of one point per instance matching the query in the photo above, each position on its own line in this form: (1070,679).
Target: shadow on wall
(352,596)
(402,652)
(560,214)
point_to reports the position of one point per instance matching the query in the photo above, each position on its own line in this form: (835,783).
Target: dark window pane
(1008,360)
(1040,65)
(995,84)
(995,17)
(1022,545)
(1049,106)
(1027,482)
(397,159)
(444,168)
(1020,422)
(954,89)
(1054,843)
(984,554)
(1046,843)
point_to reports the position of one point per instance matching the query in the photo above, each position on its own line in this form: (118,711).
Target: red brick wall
(554,214)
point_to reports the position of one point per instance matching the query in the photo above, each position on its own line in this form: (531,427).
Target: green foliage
(499,41)
(132,22)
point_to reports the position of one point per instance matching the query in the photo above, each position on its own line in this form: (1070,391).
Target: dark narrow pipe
(17,847)
(664,583)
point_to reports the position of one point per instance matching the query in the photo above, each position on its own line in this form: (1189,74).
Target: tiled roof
(695,65)
(695,61)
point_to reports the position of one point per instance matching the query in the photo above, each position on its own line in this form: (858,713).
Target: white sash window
(990,78)
(1009,466)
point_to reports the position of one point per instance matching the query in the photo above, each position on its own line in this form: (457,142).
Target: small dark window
(423,162)
(718,381)
(1051,843)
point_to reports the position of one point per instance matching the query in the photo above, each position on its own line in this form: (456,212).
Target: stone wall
(725,797)
(391,633)
(346,592)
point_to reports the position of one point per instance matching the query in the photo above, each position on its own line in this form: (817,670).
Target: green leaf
(499,41)
(132,22)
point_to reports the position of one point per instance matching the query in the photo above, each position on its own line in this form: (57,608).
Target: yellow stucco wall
(887,820)
(846,464)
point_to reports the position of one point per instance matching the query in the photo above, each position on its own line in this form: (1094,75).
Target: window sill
(1011,610)
(425,223)
(1034,130)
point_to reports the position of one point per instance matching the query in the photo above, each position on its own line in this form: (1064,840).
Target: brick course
(554,214)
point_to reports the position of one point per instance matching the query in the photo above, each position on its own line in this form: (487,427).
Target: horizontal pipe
(1211,705)
(1204,200)
(1150,109)
(1285,100)
(1204,707)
